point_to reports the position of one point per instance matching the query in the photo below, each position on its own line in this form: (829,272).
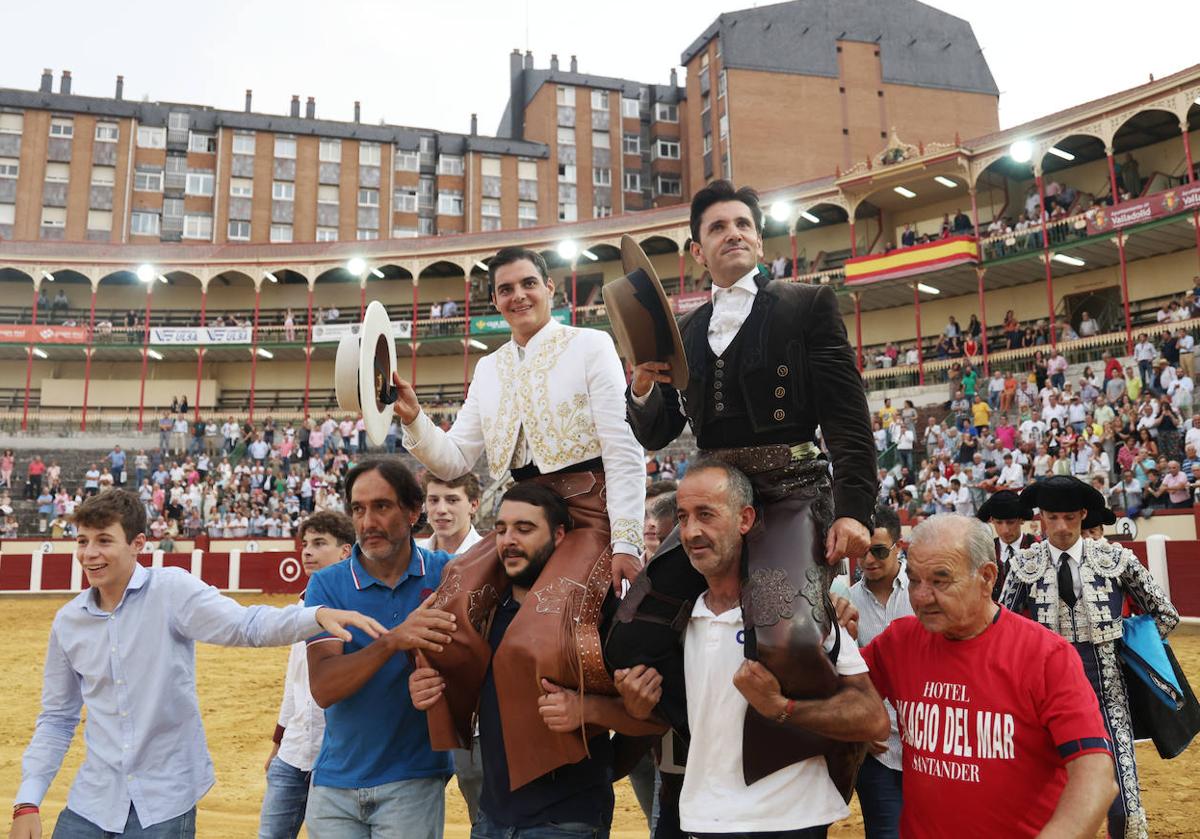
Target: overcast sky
(432,64)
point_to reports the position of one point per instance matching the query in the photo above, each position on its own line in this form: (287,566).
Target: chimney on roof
(120,88)
(474,124)
(357,110)
(574,65)
(295,112)
(47,85)
(528,59)
(310,108)
(249,96)
(554,63)
(64,86)
(516,92)
(674,77)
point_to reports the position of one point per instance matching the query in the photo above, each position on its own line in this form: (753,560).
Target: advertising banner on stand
(327,332)
(493,324)
(16,333)
(204,336)
(1158,205)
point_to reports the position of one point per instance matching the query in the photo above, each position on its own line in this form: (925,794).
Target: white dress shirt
(467,543)
(731,307)
(302,719)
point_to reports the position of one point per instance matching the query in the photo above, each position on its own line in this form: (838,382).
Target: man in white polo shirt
(799,801)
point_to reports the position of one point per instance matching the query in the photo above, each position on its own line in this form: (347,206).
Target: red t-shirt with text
(987,725)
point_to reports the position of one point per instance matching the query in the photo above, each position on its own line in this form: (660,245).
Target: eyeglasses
(881,552)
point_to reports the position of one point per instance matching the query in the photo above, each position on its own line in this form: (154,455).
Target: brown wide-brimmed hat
(643,322)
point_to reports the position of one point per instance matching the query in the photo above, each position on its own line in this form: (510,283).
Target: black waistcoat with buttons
(760,375)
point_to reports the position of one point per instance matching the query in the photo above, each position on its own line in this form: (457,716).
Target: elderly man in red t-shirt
(1001,732)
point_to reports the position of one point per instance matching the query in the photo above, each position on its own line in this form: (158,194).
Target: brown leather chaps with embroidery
(554,636)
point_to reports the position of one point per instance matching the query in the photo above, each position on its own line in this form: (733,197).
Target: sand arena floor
(239,698)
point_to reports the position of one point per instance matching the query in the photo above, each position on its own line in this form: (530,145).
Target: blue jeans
(71,825)
(880,798)
(284,802)
(485,828)
(414,809)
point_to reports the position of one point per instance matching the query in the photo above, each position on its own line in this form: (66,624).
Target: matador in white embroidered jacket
(1077,588)
(547,406)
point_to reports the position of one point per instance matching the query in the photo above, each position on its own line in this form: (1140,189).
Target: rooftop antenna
(527,25)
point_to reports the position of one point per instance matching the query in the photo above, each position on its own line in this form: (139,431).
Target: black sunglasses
(881,551)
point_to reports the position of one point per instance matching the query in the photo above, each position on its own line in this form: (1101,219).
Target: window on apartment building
(104,175)
(197,226)
(527,215)
(327,234)
(330,151)
(568,211)
(407,161)
(668,149)
(368,198)
(54,217)
(176,164)
(107,132)
(151,137)
(424,227)
(405,200)
(8,213)
(172,208)
(281,233)
(527,170)
(243,143)
(489,167)
(365,235)
(203,143)
(426,144)
(283,191)
(630,107)
(58,173)
(285,147)
(449,164)
(705,103)
(11,123)
(727,167)
(327,194)
(668,186)
(178,121)
(99,220)
(62,127)
(566,95)
(239,231)
(369,154)
(601,211)
(704,60)
(724,125)
(722,82)
(601,140)
(602,176)
(450,203)
(666,113)
(566,136)
(143,224)
(566,173)
(489,212)
(148,181)
(599,100)
(717,47)
(631,144)
(10,167)
(707,143)
(633,181)
(199,183)
(241,187)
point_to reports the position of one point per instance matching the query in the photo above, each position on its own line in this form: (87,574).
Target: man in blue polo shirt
(376,775)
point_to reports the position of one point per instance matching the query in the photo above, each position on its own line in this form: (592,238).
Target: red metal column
(979,272)
(87,367)
(1112,179)
(1187,151)
(1046,259)
(795,264)
(853,240)
(200,350)
(145,354)
(920,352)
(858,357)
(254,349)
(412,337)
(29,363)
(308,350)
(1125,294)
(574,292)
(466,330)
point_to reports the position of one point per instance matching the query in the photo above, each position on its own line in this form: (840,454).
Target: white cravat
(731,307)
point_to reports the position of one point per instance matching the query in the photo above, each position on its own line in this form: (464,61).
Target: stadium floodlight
(590,255)
(482,266)
(809,217)
(905,191)
(946,182)
(39,352)
(1057,152)
(928,289)
(379,275)
(568,249)
(146,273)
(1021,151)
(271,277)
(265,353)
(478,345)
(162,278)
(155,354)
(781,211)
(1073,261)
(356,266)
(47,276)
